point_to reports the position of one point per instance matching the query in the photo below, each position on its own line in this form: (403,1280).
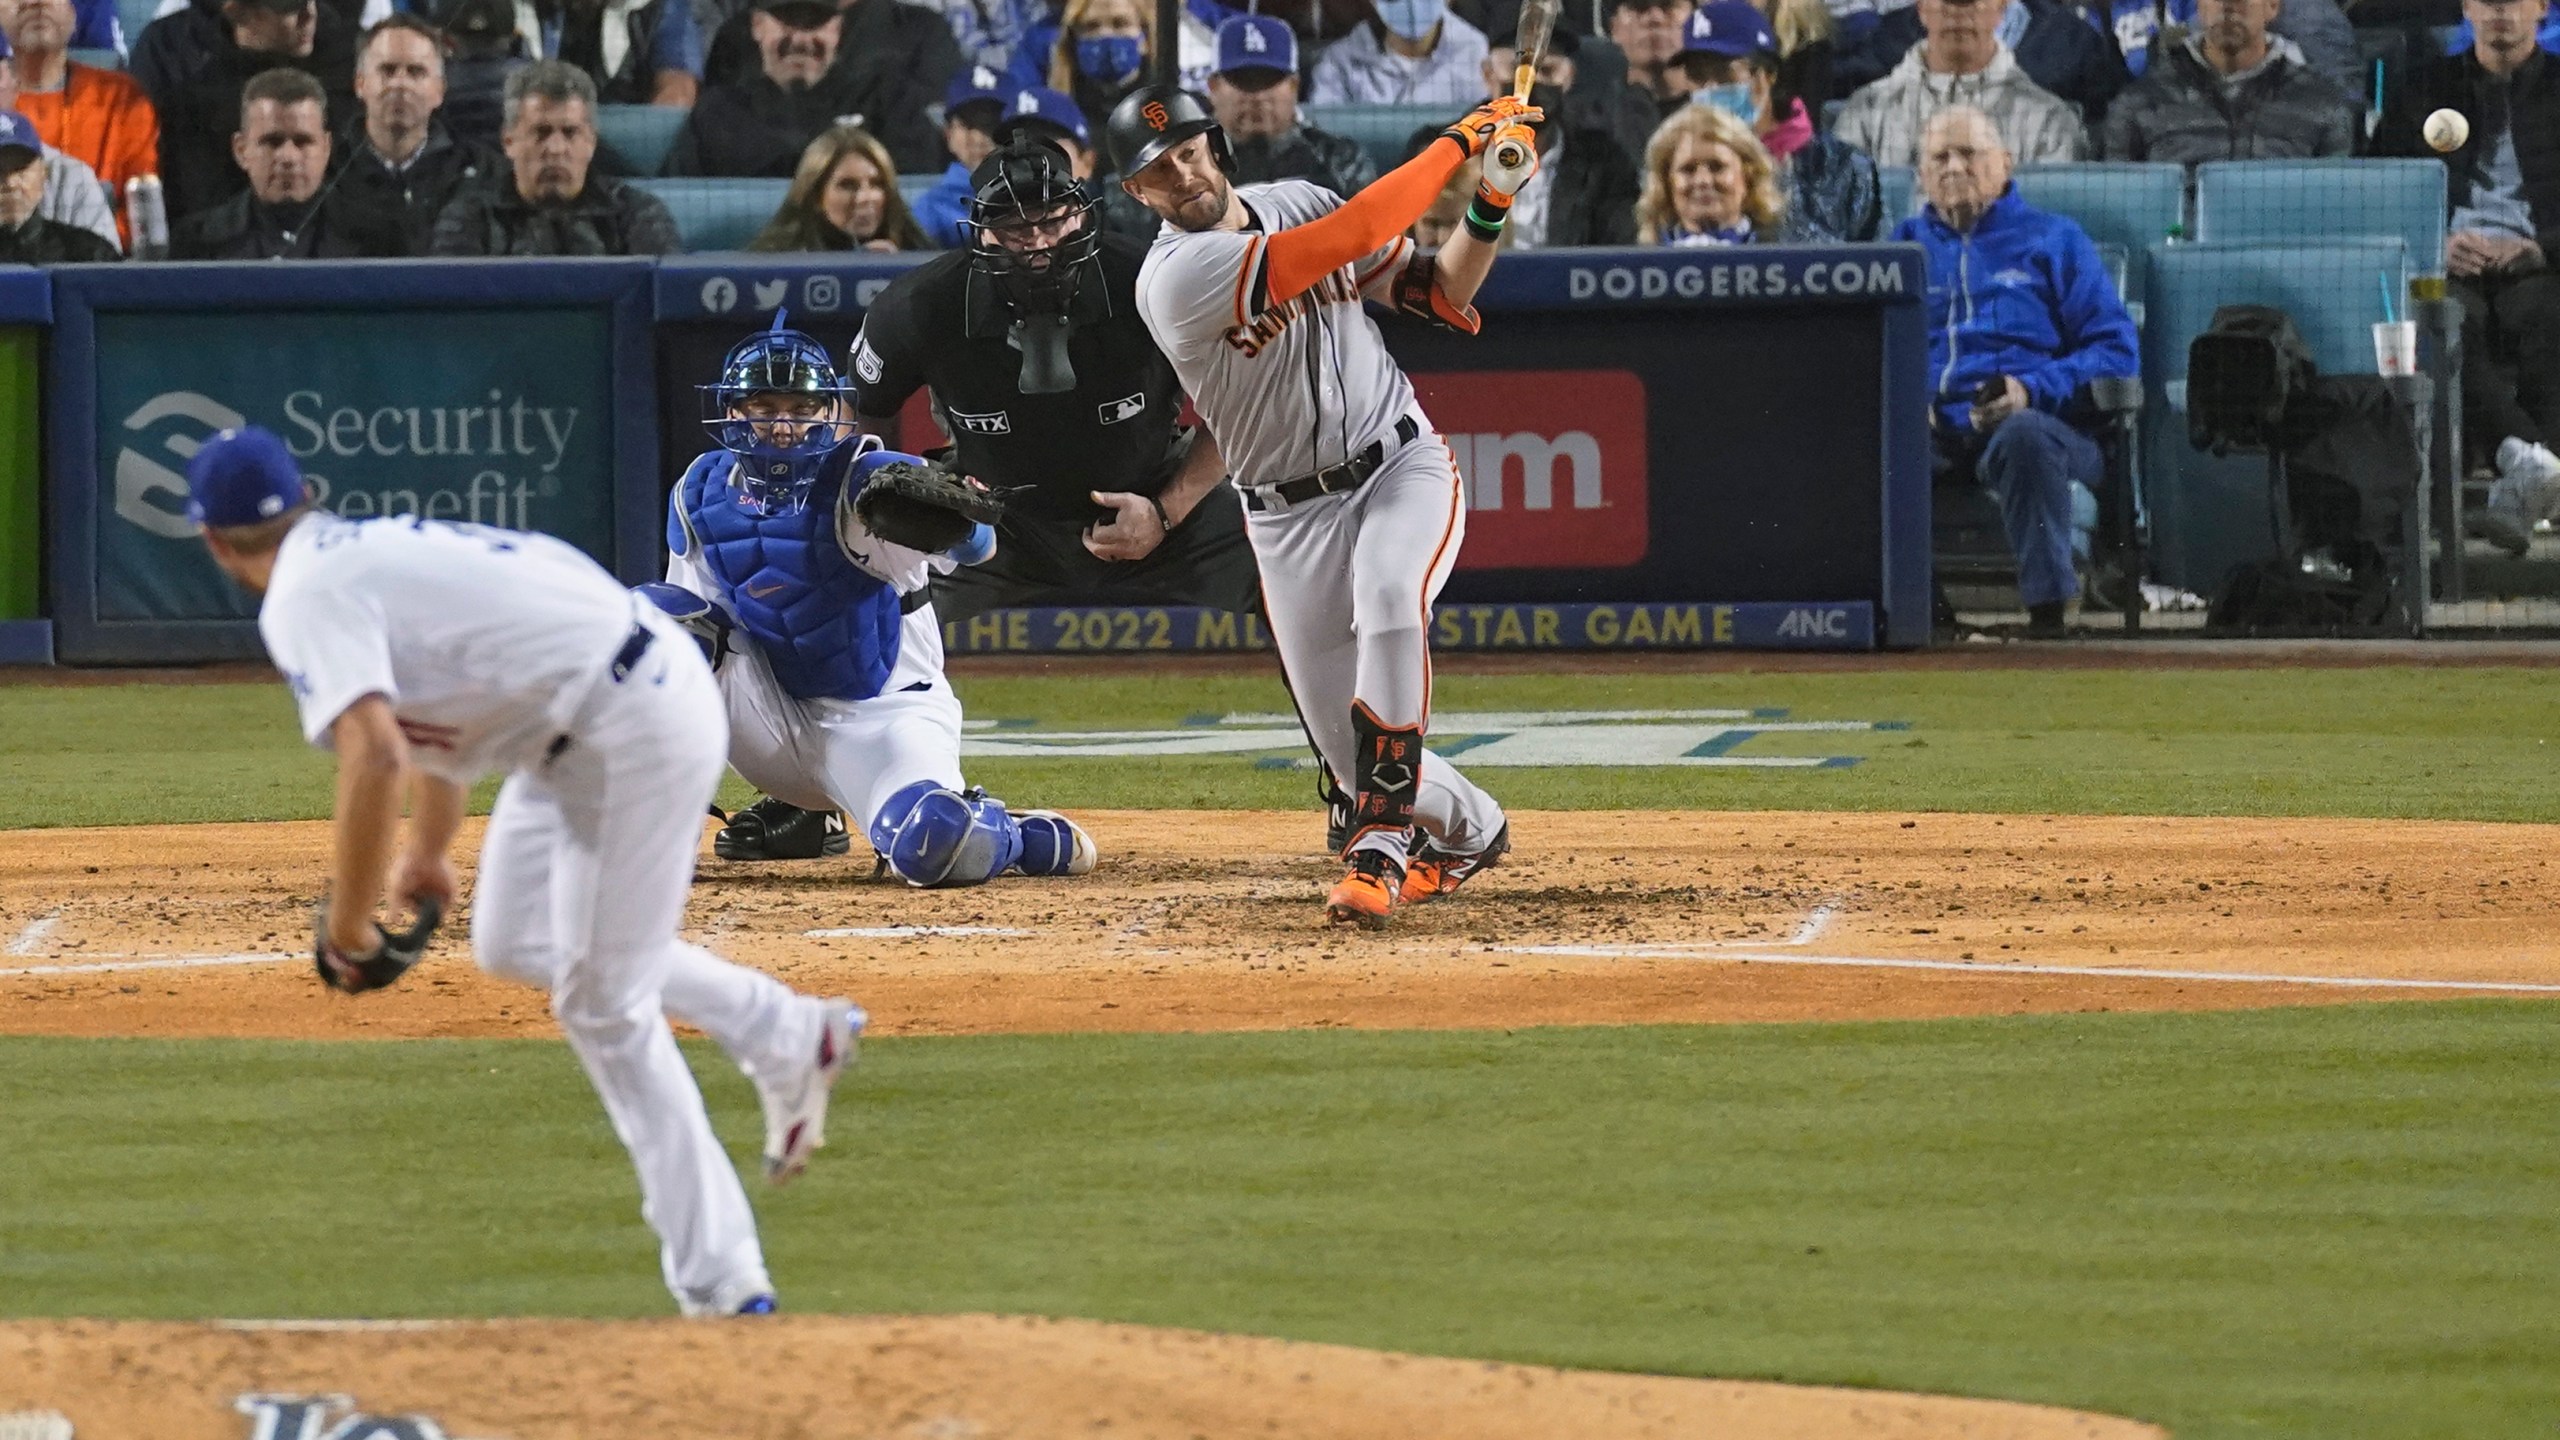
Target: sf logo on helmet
(1155,115)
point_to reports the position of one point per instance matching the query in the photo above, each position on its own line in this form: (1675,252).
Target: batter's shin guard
(1390,773)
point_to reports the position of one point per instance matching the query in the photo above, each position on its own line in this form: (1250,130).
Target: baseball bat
(1511,148)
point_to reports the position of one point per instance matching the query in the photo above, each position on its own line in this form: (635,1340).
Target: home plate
(909,932)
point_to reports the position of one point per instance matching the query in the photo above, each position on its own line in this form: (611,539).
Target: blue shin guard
(934,836)
(1052,844)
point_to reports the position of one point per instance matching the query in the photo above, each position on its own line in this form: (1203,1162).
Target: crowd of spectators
(284,129)
(471,126)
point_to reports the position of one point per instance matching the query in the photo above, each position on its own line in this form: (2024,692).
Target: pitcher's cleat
(795,1104)
(738,1297)
(772,829)
(1434,872)
(1366,896)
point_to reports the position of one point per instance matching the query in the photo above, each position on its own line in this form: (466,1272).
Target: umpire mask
(1033,234)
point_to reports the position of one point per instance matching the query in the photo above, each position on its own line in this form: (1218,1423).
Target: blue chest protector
(827,627)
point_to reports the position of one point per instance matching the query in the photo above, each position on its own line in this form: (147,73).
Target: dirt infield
(939,1378)
(1205,921)
(1201,922)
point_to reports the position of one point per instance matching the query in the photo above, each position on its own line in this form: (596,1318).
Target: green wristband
(1487,228)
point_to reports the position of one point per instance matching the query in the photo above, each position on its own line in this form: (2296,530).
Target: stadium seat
(2131,206)
(640,134)
(1899,189)
(2314,201)
(718,214)
(133,15)
(911,188)
(1382,130)
(2209,514)
(101,59)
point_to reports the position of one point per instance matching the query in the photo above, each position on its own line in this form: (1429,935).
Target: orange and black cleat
(1434,872)
(1366,896)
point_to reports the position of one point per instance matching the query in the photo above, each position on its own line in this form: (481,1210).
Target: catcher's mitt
(923,507)
(392,955)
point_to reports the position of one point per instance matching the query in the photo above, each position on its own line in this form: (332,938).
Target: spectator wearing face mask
(1585,190)
(1102,53)
(26,237)
(1411,52)
(1831,191)
(971,110)
(72,192)
(1255,96)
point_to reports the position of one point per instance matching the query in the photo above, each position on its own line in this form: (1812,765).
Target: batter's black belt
(1351,474)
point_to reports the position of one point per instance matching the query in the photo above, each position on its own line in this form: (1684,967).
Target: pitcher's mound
(956,1377)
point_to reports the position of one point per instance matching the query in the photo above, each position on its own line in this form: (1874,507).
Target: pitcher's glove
(924,507)
(1476,129)
(392,955)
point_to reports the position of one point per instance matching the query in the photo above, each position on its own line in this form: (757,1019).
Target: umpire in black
(1050,387)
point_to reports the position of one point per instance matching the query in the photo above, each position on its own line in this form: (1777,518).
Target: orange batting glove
(1476,130)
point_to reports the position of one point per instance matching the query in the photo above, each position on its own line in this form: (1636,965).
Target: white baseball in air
(2446,131)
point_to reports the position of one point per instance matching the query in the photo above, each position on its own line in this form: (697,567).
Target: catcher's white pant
(582,885)
(848,755)
(1348,581)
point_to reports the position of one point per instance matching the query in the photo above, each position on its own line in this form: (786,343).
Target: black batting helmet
(1153,119)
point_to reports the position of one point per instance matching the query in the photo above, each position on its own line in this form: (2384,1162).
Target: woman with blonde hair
(1806,46)
(1103,49)
(1707,181)
(844,196)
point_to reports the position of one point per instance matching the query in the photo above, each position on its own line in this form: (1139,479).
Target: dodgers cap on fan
(1042,105)
(1727,27)
(241,477)
(1256,42)
(972,85)
(17,132)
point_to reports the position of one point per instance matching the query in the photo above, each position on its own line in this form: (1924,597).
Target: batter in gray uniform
(1351,500)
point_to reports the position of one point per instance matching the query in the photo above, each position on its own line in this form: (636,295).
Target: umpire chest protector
(943,325)
(827,627)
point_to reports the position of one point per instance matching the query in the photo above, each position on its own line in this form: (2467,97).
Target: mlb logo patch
(1127,407)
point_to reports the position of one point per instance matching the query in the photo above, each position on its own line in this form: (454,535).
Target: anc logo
(1155,115)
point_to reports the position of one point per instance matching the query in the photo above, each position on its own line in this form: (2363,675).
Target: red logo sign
(1156,117)
(1553,462)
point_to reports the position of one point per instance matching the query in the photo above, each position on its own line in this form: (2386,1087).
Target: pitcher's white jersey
(484,641)
(1288,389)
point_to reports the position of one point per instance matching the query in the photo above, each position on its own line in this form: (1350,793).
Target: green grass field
(2302,1223)
(2398,742)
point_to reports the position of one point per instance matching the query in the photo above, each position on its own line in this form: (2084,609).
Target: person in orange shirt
(100,117)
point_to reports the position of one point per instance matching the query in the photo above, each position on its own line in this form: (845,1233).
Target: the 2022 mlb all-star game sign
(1542,738)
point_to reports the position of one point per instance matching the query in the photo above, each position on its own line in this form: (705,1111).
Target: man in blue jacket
(2022,314)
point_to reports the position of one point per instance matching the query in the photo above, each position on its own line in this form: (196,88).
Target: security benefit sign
(1552,464)
(494,417)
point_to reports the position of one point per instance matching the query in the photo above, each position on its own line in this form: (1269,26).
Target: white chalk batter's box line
(1526,738)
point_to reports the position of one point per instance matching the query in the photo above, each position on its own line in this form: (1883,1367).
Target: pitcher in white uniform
(427,654)
(1351,500)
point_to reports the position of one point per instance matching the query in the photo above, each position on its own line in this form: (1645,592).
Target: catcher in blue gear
(786,563)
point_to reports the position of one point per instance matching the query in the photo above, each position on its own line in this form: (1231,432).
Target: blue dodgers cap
(242,477)
(17,132)
(1041,105)
(1727,27)
(973,85)
(1256,42)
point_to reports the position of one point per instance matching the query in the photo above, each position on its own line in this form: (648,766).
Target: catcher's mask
(782,409)
(1033,233)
